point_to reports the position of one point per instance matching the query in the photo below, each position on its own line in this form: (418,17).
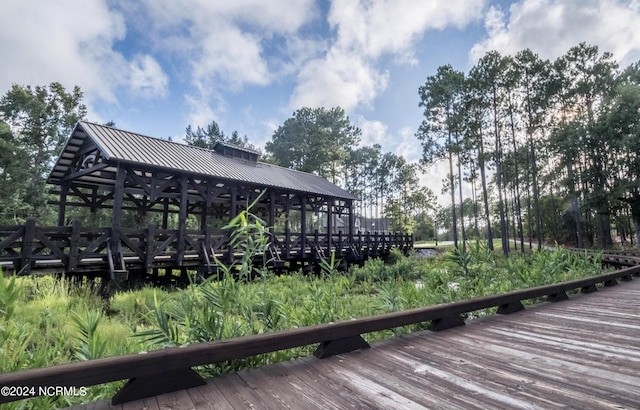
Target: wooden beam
(62,207)
(339,346)
(272,211)
(139,388)
(287,228)
(74,249)
(182,219)
(118,197)
(303,225)
(165,213)
(351,222)
(233,212)
(78,174)
(329,225)
(27,246)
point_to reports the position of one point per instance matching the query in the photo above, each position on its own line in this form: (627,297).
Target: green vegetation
(46,321)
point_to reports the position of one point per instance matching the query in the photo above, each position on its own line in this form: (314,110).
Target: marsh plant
(46,321)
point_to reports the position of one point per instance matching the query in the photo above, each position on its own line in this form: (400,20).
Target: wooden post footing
(153,385)
(512,307)
(338,346)
(446,323)
(557,297)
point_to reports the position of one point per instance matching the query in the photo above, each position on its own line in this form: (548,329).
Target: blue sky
(154,67)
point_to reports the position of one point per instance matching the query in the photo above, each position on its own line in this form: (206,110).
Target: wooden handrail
(173,362)
(81,250)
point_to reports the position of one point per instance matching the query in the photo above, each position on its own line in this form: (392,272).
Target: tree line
(537,150)
(547,149)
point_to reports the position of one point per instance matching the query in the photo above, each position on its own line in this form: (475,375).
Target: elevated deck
(88,251)
(579,353)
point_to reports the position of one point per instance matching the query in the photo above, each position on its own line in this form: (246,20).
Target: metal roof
(148,152)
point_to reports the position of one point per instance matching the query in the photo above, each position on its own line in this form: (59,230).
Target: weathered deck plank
(581,353)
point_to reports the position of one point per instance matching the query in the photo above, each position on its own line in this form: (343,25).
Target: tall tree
(38,120)
(621,123)
(476,106)
(535,86)
(587,81)
(13,173)
(441,97)
(314,140)
(489,78)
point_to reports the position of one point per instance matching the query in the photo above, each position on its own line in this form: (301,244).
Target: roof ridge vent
(236,151)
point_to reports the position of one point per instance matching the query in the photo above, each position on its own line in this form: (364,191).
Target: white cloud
(296,51)
(373,132)
(337,80)
(349,73)
(65,41)
(147,77)
(408,146)
(223,43)
(229,59)
(224,40)
(393,26)
(201,109)
(73,42)
(551,27)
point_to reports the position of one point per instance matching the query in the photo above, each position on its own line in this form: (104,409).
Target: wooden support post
(611,282)
(368,241)
(303,226)
(203,216)
(150,248)
(446,323)
(233,212)
(557,297)
(118,198)
(329,226)
(205,249)
(287,228)
(62,206)
(94,200)
(509,308)
(207,239)
(351,223)
(165,214)
(316,238)
(156,384)
(339,346)
(27,246)
(182,220)
(73,246)
(272,211)
(206,203)
(626,278)
(589,289)
(375,243)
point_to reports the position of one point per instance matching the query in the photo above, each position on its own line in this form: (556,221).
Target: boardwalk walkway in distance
(580,353)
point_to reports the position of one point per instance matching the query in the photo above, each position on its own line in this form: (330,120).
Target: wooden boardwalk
(582,353)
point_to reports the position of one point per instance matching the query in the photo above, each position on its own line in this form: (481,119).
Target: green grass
(45,321)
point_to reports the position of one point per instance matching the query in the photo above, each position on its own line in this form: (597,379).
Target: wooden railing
(169,369)
(77,249)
